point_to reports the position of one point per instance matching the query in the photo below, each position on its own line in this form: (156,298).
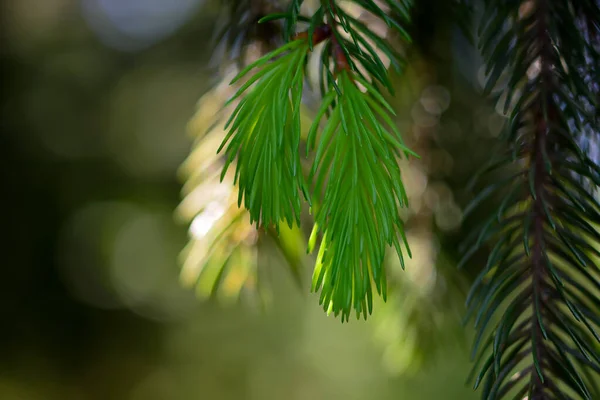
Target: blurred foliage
(222,254)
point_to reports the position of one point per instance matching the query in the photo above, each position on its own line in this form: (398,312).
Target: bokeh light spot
(132,25)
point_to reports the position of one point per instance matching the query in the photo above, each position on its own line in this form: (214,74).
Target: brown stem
(321,33)
(541,178)
(328,31)
(339,57)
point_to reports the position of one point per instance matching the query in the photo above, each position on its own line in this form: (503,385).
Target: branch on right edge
(542,280)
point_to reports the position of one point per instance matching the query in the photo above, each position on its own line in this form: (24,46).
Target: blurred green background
(96,98)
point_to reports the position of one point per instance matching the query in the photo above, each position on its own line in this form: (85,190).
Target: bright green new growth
(355,175)
(264,135)
(356,161)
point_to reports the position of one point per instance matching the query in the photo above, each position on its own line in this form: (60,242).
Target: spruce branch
(356,162)
(264,136)
(541,277)
(264,139)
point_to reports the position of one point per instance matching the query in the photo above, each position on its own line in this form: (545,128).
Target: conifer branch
(264,138)
(356,162)
(539,277)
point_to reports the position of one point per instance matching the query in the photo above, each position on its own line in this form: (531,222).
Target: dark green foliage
(462,12)
(239,25)
(536,302)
